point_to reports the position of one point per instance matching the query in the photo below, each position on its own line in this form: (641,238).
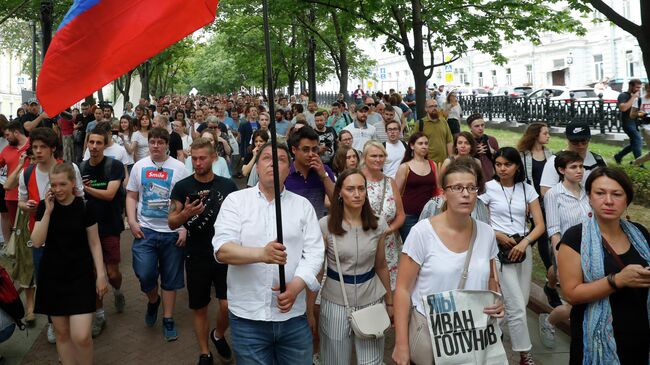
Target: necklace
(509,200)
(158,167)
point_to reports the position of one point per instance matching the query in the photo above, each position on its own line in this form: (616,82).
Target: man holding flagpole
(268,326)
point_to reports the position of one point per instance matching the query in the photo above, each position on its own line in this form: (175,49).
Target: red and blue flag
(100,40)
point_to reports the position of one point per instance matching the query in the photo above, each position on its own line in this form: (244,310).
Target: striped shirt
(563,209)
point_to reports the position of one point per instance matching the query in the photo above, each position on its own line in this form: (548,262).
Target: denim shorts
(157,254)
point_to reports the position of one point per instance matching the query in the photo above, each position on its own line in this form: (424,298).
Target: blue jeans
(636,141)
(409,221)
(267,343)
(157,254)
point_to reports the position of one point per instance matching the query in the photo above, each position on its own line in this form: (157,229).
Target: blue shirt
(281,127)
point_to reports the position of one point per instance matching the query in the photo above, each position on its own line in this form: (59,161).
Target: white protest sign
(461,334)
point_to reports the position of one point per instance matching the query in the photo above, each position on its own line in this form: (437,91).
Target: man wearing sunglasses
(578,136)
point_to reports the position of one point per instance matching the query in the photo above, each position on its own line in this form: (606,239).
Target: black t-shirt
(107,213)
(175,144)
(629,308)
(28,117)
(67,240)
(624,97)
(538,168)
(200,228)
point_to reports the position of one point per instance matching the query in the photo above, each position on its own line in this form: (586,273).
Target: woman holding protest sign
(356,269)
(434,259)
(603,267)
(510,202)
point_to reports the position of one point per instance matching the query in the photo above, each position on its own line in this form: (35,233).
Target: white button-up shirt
(247,218)
(564,210)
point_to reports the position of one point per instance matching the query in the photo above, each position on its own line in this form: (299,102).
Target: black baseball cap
(364,108)
(577,131)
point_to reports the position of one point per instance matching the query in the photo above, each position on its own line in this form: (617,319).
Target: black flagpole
(274,140)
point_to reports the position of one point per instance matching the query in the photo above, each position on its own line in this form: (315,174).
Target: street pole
(32,24)
(47,9)
(311,58)
(274,139)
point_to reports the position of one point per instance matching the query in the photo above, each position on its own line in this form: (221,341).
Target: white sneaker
(51,337)
(546,331)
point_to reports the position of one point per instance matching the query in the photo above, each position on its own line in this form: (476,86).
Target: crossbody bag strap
(383,195)
(468,257)
(338,268)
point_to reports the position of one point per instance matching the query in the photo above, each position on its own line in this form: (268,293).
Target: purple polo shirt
(310,187)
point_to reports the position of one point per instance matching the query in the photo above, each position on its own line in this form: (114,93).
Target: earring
(627,214)
(340,199)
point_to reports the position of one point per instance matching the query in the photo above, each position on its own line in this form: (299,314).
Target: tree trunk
(344,66)
(100,95)
(417,64)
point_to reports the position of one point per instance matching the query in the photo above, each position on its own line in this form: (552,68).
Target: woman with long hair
(566,204)
(248,169)
(180,126)
(603,267)
(510,202)
(464,146)
(72,270)
(354,233)
(385,202)
(140,138)
(433,259)
(345,158)
(534,154)
(453,113)
(124,136)
(416,180)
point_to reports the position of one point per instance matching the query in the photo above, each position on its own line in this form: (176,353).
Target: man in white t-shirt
(578,136)
(157,250)
(395,149)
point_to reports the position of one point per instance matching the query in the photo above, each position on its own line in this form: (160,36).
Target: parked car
(551,91)
(513,91)
(468,91)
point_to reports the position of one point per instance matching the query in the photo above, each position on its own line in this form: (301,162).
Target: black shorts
(3,205)
(203,272)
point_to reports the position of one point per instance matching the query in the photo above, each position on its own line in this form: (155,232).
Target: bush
(641,180)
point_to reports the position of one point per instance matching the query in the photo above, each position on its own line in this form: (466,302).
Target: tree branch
(616,18)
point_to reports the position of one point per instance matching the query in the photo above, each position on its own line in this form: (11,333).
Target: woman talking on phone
(510,202)
(67,283)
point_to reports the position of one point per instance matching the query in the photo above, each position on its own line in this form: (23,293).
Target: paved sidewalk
(126,340)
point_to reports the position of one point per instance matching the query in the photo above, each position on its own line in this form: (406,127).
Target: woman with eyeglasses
(345,138)
(603,266)
(511,201)
(432,261)
(416,180)
(385,202)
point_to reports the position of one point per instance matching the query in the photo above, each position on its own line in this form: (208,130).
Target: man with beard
(435,127)
(10,157)
(361,131)
(195,204)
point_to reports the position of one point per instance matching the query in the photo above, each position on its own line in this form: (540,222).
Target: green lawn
(637,213)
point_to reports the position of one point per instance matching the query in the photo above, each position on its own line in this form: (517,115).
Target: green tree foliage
(420,30)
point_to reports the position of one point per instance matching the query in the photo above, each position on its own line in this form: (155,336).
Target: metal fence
(601,115)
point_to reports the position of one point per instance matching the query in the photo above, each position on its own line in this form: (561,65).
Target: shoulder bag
(370,322)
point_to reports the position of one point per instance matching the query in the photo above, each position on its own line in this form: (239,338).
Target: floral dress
(388,211)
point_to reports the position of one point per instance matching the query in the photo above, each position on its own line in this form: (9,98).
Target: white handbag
(370,322)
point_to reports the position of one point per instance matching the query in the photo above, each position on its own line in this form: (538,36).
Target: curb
(537,303)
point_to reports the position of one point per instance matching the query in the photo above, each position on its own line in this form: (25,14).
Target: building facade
(12,82)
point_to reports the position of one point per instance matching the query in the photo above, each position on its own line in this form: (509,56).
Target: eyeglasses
(306,149)
(371,104)
(459,188)
(392,129)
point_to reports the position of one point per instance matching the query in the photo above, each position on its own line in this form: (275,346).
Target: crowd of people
(379,208)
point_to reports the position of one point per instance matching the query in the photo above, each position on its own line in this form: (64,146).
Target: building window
(508,76)
(439,74)
(598,67)
(462,76)
(626,8)
(494,77)
(558,63)
(480,79)
(529,74)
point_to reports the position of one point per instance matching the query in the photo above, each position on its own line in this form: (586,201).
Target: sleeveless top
(418,190)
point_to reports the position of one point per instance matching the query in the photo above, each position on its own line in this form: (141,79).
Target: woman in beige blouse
(359,237)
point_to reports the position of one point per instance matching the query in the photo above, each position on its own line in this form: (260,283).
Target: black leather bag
(504,252)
